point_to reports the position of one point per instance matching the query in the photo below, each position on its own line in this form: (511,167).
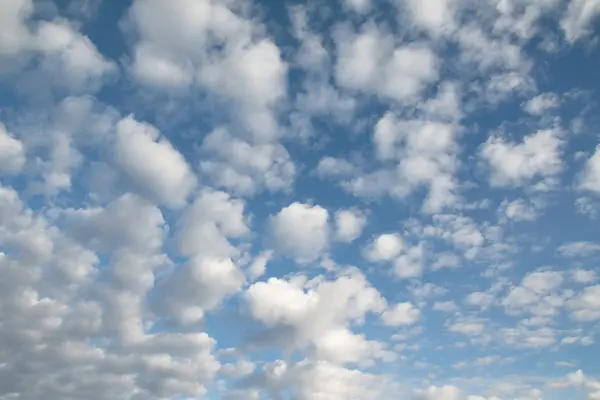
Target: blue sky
(349,199)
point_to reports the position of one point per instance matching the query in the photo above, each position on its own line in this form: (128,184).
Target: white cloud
(129,221)
(359,6)
(579,249)
(538,156)
(152,163)
(14,34)
(537,294)
(202,284)
(425,153)
(385,247)
(482,300)
(176,49)
(586,306)
(435,16)
(579,16)
(446,260)
(330,167)
(206,225)
(589,178)
(12,152)
(50,314)
(369,62)
(445,306)
(487,53)
(319,314)
(65,58)
(117,260)
(518,210)
(259,265)
(541,103)
(243,168)
(410,264)
(301,231)
(439,393)
(71,56)
(583,276)
(446,106)
(323,380)
(349,225)
(468,327)
(401,314)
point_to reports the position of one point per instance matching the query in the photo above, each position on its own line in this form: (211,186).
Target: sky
(299,200)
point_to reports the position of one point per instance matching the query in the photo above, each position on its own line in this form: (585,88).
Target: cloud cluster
(323,200)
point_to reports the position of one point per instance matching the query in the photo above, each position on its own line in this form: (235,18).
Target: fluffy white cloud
(480,299)
(538,156)
(385,247)
(349,224)
(176,50)
(425,153)
(202,284)
(208,223)
(401,314)
(541,103)
(368,61)
(584,276)
(301,313)
(518,210)
(14,34)
(301,231)
(467,326)
(245,169)
(439,393)
(64,57)
(49,315)
(259,265)
(579,249)
(410,263)
(68,52)
(434,16)
(579,16)
(128,221)
(537,294)
(359,6)
(151,162)
(330,167)
(586,306)
(12,153)
(117,262)
(590,176)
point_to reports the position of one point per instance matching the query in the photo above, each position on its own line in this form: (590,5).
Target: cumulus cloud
(263,202)
(319,315)
(539,104)
(425,156)
(65,58)
(152,163)
(301,231)
(401,314)
(349,224)
(538,156)
(368,61)
(244,169)
(176,49)
(12,157)
(578,18)
(590,176)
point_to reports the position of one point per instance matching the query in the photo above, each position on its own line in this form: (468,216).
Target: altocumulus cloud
(307,200)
